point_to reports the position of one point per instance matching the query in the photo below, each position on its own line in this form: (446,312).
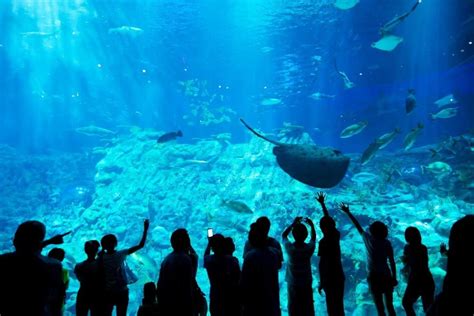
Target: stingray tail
(257,134)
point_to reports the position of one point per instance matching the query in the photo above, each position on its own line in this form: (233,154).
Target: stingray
(345,4)
(387,43)
(320,167)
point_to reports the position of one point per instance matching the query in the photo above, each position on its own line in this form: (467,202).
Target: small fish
(387,138)
(169,137)
(369,152)
(410,101)
(92,130)
(446,100)
(237,206)
(437,168)
(132,31)
(38,34)
(411,137)
(364,177)
(353,129)
(270,101)
(445,113)
(319,96)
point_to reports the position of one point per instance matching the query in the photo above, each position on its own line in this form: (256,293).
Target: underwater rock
(320,167)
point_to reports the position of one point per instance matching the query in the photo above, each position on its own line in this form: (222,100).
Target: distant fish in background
(446,100)
(411,137)
(387,138)
(369,152)
(270,101)
(410,101)
(345,4)
(169,137)
(387,43)
(132,31)
(320,96)
(353,129)
(93,130)
(38,34)
(237,206)
(438,168)
(348,84)
(445,113)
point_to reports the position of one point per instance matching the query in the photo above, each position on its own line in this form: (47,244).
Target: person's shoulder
(273,242)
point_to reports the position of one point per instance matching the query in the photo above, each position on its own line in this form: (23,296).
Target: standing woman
(115,274)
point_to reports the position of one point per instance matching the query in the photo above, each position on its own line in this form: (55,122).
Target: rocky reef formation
(111,189)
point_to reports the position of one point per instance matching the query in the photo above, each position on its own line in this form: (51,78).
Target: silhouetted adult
(224,274)
(176,282)
(457,295)
(112,262)
(59,255)
(149,305)
(298,270)
(419,279)
(263,224)
(330,267)
(259,279)
(381,278)
(30,284)
(87,273)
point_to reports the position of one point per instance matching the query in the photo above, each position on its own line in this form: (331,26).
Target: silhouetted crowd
(33,284)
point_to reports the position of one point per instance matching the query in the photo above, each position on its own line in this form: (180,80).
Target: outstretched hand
(344,207)
(58,239)
(443,249)
(320,197)
(146,224)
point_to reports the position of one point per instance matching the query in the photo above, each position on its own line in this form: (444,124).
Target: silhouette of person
(149,305)
(298,270)
(420,281)
(457,295)
(330,266)
(381,278)
(264,225)
(176,282)
(87,273)
(31,284)
(224,274)
(112,262)
(259,279)
(59,254)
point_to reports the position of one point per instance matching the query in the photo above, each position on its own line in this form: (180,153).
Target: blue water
(198,66)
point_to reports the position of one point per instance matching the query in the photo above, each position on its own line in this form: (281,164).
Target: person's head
(91,248)
(229,246)
(57,253)
(413,236)
(263,225)
(257,236)
(217,244)
(149,293)
(379,230)
(180,240)
(300,232)
(109,242)
(29,237)
(327,224)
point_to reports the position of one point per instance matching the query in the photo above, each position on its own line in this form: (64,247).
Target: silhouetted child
(420,281)
(330,267)
(381,278)
(224,274)
(112,262)
(87,273)
(298,270)
(149,305)
(457,295)
(59,254)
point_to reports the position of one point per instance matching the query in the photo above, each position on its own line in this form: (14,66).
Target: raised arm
(146,225)
(287,231)
(313,231)
(321,197)
(345,208)
(207,252)
(56,240)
